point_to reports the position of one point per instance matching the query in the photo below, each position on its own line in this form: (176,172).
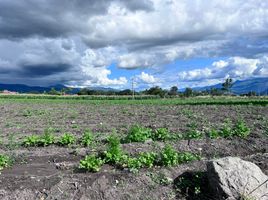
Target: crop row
(137,133)
(114,155)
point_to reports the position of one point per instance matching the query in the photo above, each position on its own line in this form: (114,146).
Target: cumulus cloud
(147,78)
(93,65)
(234,67)
(75,41)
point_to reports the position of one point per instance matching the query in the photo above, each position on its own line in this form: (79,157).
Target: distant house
(9,92)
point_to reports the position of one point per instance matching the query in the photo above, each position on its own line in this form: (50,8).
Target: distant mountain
(259,85)
(31,89)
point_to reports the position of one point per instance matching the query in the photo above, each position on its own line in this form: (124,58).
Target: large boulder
(232,178)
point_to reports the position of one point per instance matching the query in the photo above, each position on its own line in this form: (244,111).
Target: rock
(231,178)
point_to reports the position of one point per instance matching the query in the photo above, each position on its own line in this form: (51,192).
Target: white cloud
(93,65)
(234,67)
(147,78)
(133,34)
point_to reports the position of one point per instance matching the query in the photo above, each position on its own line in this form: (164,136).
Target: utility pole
(133,91)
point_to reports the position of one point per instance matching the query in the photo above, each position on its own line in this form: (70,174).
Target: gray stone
(231,178)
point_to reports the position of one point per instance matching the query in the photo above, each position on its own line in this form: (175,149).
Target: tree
(215,91)
(155,91)
(227,85)
(188,92)
(173,90)
(53,91)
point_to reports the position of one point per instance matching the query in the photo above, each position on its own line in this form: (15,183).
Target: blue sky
(105,43)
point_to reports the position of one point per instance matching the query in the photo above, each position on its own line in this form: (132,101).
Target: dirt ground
(51,172)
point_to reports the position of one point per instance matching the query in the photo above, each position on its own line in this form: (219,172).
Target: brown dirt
(51,172)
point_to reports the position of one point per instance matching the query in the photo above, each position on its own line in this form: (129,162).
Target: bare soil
(52,173)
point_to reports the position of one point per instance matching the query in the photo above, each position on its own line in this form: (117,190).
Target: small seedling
(213,134)
(31,141)
(241,129)
(138,134)
(87,138)
(193,134)
(114,152)
(47,138)
(67,139)
(168,156)
(147,159)
(227,131)
(5,161)
(91,163)
(161,134)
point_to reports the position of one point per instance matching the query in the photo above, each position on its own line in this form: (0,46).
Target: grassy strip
(263,101)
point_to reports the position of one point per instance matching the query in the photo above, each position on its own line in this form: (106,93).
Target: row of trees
(156,90)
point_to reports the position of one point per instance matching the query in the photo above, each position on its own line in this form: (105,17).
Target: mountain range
(259,85)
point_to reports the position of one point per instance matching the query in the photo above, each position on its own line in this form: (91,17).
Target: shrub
(67,139)
(87,138)
(91,163)
(168,156)
(30,141)
(4,161)
(114,152)
(161,134)
(241,129)
(138,134)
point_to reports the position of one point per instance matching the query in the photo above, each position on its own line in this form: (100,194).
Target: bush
(91,163)
(138,134)
(87,138)
(67,139)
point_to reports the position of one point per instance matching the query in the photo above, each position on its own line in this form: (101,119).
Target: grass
(97,100)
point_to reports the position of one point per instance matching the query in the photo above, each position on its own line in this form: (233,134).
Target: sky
(109,43)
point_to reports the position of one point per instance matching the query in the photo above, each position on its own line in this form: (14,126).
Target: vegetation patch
(87,138)
(91,163)
(67,139)
(5,161)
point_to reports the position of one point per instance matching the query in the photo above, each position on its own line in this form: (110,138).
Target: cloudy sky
(156,42)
